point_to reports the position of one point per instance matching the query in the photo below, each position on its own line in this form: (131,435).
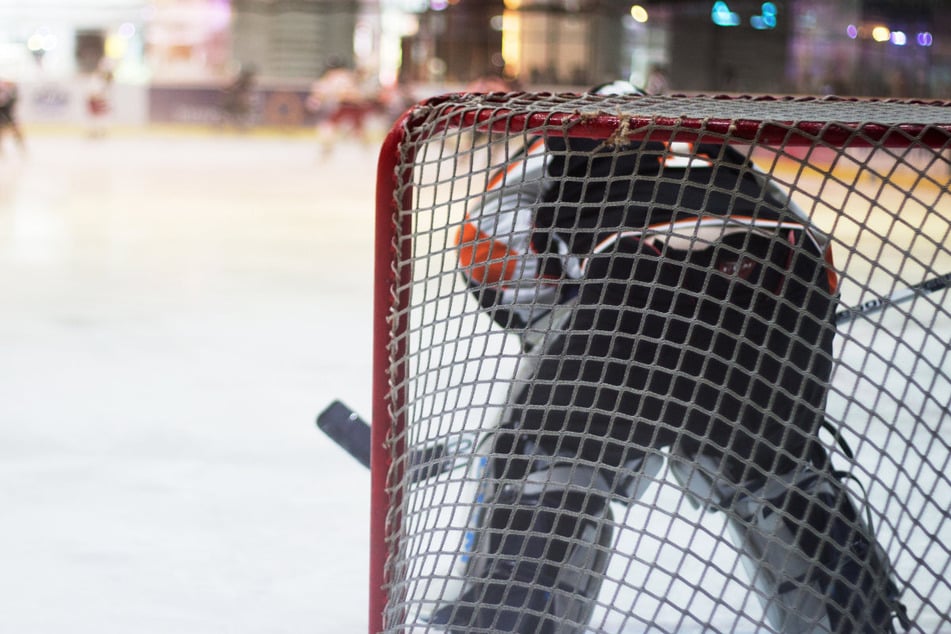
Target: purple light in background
(925,39)
(852,31)
(219,14)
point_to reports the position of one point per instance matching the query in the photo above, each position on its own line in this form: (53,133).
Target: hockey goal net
(872,176)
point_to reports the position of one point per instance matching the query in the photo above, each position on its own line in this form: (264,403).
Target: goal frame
(392,259)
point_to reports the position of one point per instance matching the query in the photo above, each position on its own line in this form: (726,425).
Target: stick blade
(345,427)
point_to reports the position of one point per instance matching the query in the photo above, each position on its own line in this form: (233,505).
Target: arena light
(852,31)
(115,46)
(722,16)
(924,39)
(35,42)
(639,13)
(41,41)
(881,34)
(898,38)
(766,19)
(511,42)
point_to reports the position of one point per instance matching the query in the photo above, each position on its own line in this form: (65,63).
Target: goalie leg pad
(541,552)
(814,562)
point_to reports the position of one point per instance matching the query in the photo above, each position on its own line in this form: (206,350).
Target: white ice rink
(174,311)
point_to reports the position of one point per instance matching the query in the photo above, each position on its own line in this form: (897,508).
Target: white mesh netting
(642,312)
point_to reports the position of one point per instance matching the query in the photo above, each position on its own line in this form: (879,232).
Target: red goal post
(874,174)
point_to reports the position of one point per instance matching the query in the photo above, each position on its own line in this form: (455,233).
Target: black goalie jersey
(700,295)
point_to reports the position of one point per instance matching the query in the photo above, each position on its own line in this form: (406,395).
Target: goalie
(670,298)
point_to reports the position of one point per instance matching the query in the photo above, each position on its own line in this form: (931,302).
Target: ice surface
(175,309)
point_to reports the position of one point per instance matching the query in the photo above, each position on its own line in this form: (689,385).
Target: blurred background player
(8,118)
(673,297)
(657,81)
(99,102)
(343,103)
(237,99)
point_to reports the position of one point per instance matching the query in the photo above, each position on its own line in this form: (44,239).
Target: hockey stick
(875,305)
(347,429)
